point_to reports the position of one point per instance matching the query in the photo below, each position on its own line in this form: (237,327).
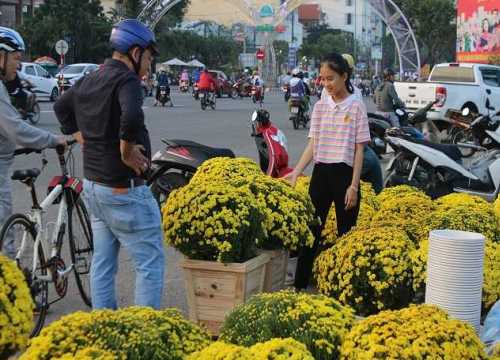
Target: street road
(227,126)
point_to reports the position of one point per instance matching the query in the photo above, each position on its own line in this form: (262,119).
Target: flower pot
(214,289)
(276,270)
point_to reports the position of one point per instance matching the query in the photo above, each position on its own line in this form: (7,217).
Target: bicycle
(33,241)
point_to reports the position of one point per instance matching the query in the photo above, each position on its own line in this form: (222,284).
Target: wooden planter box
(276,270)
(214,289)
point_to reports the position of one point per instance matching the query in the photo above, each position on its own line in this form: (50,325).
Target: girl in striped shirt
(338,133)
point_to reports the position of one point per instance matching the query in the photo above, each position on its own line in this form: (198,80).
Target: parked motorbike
(439,169)
(196,92)
(184,86)
(173,166)
(207,98)
(257,95)
(297,113)
(164,96)
(286,92)
(379,125)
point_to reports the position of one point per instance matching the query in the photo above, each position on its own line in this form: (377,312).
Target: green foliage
(323,40)
(212,50)
(82,22)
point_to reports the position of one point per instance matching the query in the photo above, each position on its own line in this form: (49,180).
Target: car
(223,85)
(456,86)
(74,72)
(45,85)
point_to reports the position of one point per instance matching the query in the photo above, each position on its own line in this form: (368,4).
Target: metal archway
(390,13)
(154,10)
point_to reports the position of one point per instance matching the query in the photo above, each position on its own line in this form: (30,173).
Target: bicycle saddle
(24,175)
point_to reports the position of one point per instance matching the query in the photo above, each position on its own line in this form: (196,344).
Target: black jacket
(106,106)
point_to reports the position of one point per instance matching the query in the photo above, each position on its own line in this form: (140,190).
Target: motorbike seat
(211,152)
(25,175)
(452,151)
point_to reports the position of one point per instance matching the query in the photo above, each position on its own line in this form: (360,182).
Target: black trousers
(329,184)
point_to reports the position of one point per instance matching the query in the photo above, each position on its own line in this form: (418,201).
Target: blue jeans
(128,218)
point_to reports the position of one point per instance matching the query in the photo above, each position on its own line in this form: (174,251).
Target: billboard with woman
(478,31)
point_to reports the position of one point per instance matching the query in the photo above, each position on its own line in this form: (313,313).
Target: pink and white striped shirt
(336,128)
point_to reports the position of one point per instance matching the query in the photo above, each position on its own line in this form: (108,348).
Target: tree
(80,22)
(318,44)
(213,51)
(434,24)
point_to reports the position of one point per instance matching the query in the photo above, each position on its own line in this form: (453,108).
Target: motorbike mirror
(465,111)
(254,116)
(400,112)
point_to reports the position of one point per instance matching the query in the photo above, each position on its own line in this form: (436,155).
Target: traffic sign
(62,47)
(260,54)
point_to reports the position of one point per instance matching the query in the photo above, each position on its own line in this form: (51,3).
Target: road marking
(47,111)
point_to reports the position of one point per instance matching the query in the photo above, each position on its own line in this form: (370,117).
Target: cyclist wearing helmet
(104,111)
(13,129)
(387,99)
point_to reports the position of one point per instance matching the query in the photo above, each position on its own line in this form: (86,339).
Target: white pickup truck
(456,86)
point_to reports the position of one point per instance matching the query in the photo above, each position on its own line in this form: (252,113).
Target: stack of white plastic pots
(455,274)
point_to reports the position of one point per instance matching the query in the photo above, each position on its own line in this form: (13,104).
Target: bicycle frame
(49,246)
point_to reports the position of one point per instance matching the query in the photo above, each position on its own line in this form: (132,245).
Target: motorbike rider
(207,83)
(272,141)
(387,99)
(299,89)
(185,76)
(258,83)
(162,80)
(13,129)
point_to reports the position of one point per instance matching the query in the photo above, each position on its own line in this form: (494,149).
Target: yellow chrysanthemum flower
(130,333)
(417,332)
(16,308)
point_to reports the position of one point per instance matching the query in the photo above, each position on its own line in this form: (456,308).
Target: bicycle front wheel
(81,246)
(19,234)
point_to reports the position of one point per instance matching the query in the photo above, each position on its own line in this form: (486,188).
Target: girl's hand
(351,198)
(291,178)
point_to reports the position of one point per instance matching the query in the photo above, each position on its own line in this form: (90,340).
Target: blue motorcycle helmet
(130,33)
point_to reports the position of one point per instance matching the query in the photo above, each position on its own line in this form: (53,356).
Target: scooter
(207,98)
(379,125)
(439,169)
(257,95)
(173,166)
(196,92)
(273,161)
(297,113)
(164,96)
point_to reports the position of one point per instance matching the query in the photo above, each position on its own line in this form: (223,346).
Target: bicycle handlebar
(27,151)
